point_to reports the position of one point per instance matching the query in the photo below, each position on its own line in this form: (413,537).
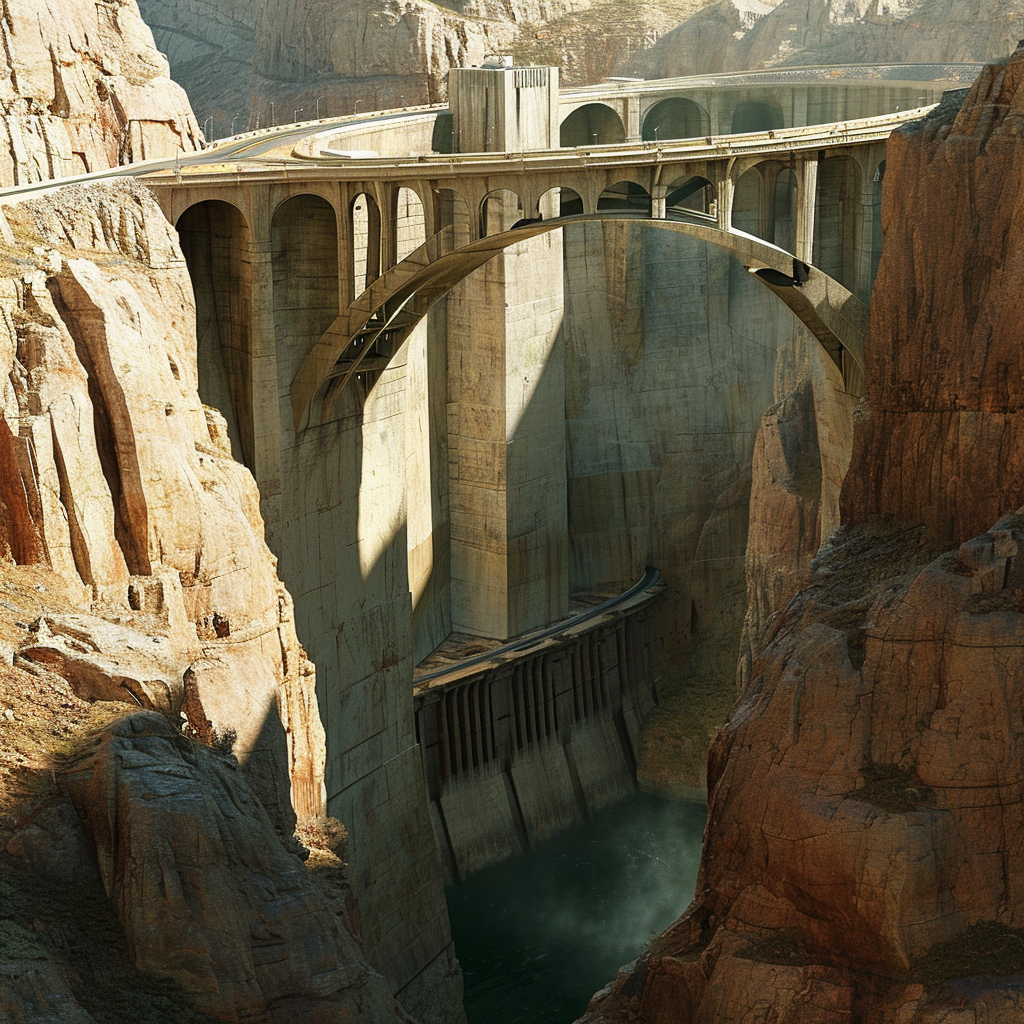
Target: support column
(266,422)
(808,178)
(658,196)
(506,443)
(632,120)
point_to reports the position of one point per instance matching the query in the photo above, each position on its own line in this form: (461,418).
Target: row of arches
(597,124)
(319,263)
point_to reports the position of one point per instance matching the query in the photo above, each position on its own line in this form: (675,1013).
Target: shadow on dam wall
(535,736)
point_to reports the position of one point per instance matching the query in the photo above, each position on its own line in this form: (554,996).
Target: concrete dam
(475,388)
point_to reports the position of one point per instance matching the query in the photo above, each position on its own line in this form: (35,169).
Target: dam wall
(534,736)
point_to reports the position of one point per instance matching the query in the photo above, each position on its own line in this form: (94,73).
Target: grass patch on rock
(889,787)
(984,948)
(785,946)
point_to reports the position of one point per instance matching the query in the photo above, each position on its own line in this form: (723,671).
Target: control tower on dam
(486,370)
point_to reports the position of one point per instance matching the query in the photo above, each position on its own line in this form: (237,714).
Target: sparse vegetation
(783,946)
(889,787)
(984,948)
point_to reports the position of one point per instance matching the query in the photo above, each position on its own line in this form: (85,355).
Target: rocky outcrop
(948,408)
(82,87)
(730,35)
(135,574)
(241,920)
(129,487)
(209,45)
(865,821)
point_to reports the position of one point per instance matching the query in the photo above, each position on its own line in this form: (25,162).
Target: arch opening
(499,210)
(409,222)
(746,204)
(560,202)
(786,197)
(626,196)
(215,240)
(691,195)
(452,211)
(594,124)
(366,225)
(675,118)
(837,226)
(756,116)
(876,221)
(304,263)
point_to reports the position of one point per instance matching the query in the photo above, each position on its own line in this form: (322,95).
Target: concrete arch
(217,243)
(625,195)
(756,116)
(594,124)
(400,299)
(675,118)
(499,210)
(365,227)
(560,201)
(304,267)
(691,194)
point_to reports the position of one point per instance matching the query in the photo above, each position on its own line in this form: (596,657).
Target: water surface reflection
(539,934)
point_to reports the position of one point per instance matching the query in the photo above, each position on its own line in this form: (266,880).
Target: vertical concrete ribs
(536,734)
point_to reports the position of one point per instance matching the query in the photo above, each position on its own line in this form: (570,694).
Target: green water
(539,934)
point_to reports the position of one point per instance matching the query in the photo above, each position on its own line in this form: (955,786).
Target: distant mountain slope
(733,35)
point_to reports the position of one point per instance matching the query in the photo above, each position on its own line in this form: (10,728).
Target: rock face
(261,941)
(865,828)
(119,484)
(949,408)
(730,35)
(83,88)
(369,54)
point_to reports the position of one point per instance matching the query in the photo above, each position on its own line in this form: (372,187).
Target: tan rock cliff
(862,858)
(82,87)
(731,35)
(134,571)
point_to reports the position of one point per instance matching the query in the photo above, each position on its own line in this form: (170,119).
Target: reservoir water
(538,934)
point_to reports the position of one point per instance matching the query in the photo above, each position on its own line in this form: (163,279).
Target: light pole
(234,118)
(318,99)
(295,115)
(273,120)
(208,131)
(355,106)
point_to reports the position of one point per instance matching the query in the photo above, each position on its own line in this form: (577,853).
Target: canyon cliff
(732,35)
(372,54)
(84,88)
(158,715)
(864,840)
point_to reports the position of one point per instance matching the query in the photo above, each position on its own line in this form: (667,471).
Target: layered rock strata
(120,493)
(82,88)
(862,854)
(729,35)
(378,54)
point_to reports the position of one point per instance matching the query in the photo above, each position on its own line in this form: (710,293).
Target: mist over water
(539,934)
